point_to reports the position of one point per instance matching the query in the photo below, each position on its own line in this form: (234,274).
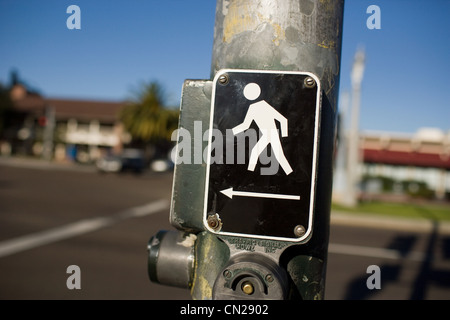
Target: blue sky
(124,43)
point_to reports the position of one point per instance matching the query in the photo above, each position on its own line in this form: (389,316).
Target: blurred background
(86,118)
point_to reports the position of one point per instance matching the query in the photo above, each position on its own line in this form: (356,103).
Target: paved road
(53,217)
(413,265)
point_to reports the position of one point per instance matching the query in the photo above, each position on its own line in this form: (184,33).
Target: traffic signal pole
(295,39)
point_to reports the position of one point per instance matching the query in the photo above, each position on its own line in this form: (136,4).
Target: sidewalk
(32,163)
(384,222)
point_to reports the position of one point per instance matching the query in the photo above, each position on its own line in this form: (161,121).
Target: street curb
(18,162)
(391,223)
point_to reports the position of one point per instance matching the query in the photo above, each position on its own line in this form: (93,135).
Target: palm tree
(146,118)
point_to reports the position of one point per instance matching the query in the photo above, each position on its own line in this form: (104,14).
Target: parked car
(161,165)
(164,162)
(128,160)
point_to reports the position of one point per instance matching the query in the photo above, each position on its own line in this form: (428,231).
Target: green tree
(146,118)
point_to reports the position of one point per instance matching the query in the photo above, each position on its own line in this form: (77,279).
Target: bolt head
(247,288)
(227,274)
(223,79)
(214,222)
(309,82)
(299,230)
(269,278)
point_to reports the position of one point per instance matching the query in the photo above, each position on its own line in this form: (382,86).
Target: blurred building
(398,166)
(61,129)
(420,157)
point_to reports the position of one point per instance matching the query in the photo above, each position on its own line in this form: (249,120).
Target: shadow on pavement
(427,274)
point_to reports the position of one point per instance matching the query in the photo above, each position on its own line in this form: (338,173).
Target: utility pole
(273,42)
(353,144)
(340,184)
(47,152)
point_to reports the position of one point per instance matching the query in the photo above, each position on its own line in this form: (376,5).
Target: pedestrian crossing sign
(261,159)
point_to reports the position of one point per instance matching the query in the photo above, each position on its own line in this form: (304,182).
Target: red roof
(82,110)
(418,159)
(85,109)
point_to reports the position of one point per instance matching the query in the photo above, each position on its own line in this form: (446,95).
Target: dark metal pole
(291,35)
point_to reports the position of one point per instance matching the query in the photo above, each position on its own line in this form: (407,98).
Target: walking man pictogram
(264,115)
